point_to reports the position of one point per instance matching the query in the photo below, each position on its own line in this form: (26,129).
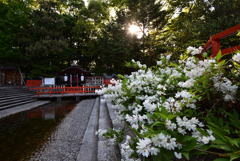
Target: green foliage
(155,98)
(13,17)
(198,21)
(113,133)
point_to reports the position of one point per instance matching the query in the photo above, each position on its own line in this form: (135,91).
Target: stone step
(16,104)
(8,98)
(14,93)
(88,149)
(107,149)
(13,101)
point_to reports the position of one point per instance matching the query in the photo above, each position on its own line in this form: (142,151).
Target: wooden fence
(214,42)
(64,90)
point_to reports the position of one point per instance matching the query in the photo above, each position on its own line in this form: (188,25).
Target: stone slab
(88,149)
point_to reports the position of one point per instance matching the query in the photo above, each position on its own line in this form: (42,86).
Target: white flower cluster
(170,88)
(139,64)
(226,87)
(126,150)
(193,50)
(146,148)
(236,57)
(165,141)
(101,132)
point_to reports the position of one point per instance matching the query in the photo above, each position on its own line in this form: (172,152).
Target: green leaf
(138,101)
(215,120)
(196,152)
(135,131)
(186,155)
(217,141)
(205,147)
(163,116)
(155,158)
(223,147)
(204,55)
(158,123)
(186,138)
(221,159)
(219,55)
(150,116)
(235,113)
(220,122)
(174,65)
(205,84)
(218,133)
(222,63)
(164,111)
(195,84)
(170,117)
(234,142)
(189,145)
(202,131)
(233,156)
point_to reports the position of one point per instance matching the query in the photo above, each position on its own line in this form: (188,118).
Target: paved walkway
(64,144)
(75,139)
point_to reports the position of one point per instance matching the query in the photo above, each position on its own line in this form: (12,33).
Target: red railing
(214,42)
(34,83)
(62,90)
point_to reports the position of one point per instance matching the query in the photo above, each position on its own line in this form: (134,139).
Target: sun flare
(133,29)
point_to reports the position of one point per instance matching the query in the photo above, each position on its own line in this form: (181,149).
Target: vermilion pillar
(215,47)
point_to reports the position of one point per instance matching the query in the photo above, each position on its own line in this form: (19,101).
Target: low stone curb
(106,147)
(88,148)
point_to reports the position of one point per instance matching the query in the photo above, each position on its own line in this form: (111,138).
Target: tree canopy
(44,37)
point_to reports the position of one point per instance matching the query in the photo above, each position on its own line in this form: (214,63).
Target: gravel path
(64,144)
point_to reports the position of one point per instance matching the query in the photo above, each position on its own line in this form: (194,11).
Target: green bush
(179,110)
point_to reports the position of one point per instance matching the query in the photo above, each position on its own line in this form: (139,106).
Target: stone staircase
(11,97)
(98,148)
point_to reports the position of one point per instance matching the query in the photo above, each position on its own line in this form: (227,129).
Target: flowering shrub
(179,110)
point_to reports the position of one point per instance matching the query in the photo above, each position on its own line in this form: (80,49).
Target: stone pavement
(75,139)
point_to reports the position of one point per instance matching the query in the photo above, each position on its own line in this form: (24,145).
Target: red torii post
(214,42)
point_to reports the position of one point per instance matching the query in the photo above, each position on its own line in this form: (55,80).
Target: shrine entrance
(74,76)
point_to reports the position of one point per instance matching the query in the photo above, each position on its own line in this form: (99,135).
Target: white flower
(100,132)
(168,56)
(205,139)
(182,131)
(178,155)
(228,97)
(144,146)
(159,62)
(236,57)
(154,151)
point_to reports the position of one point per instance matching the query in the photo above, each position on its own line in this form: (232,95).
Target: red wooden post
(62,90)
(215,47)
(50,91)
(214,42)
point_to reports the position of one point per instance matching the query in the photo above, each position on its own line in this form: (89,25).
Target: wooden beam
(230,50)
(227,32)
